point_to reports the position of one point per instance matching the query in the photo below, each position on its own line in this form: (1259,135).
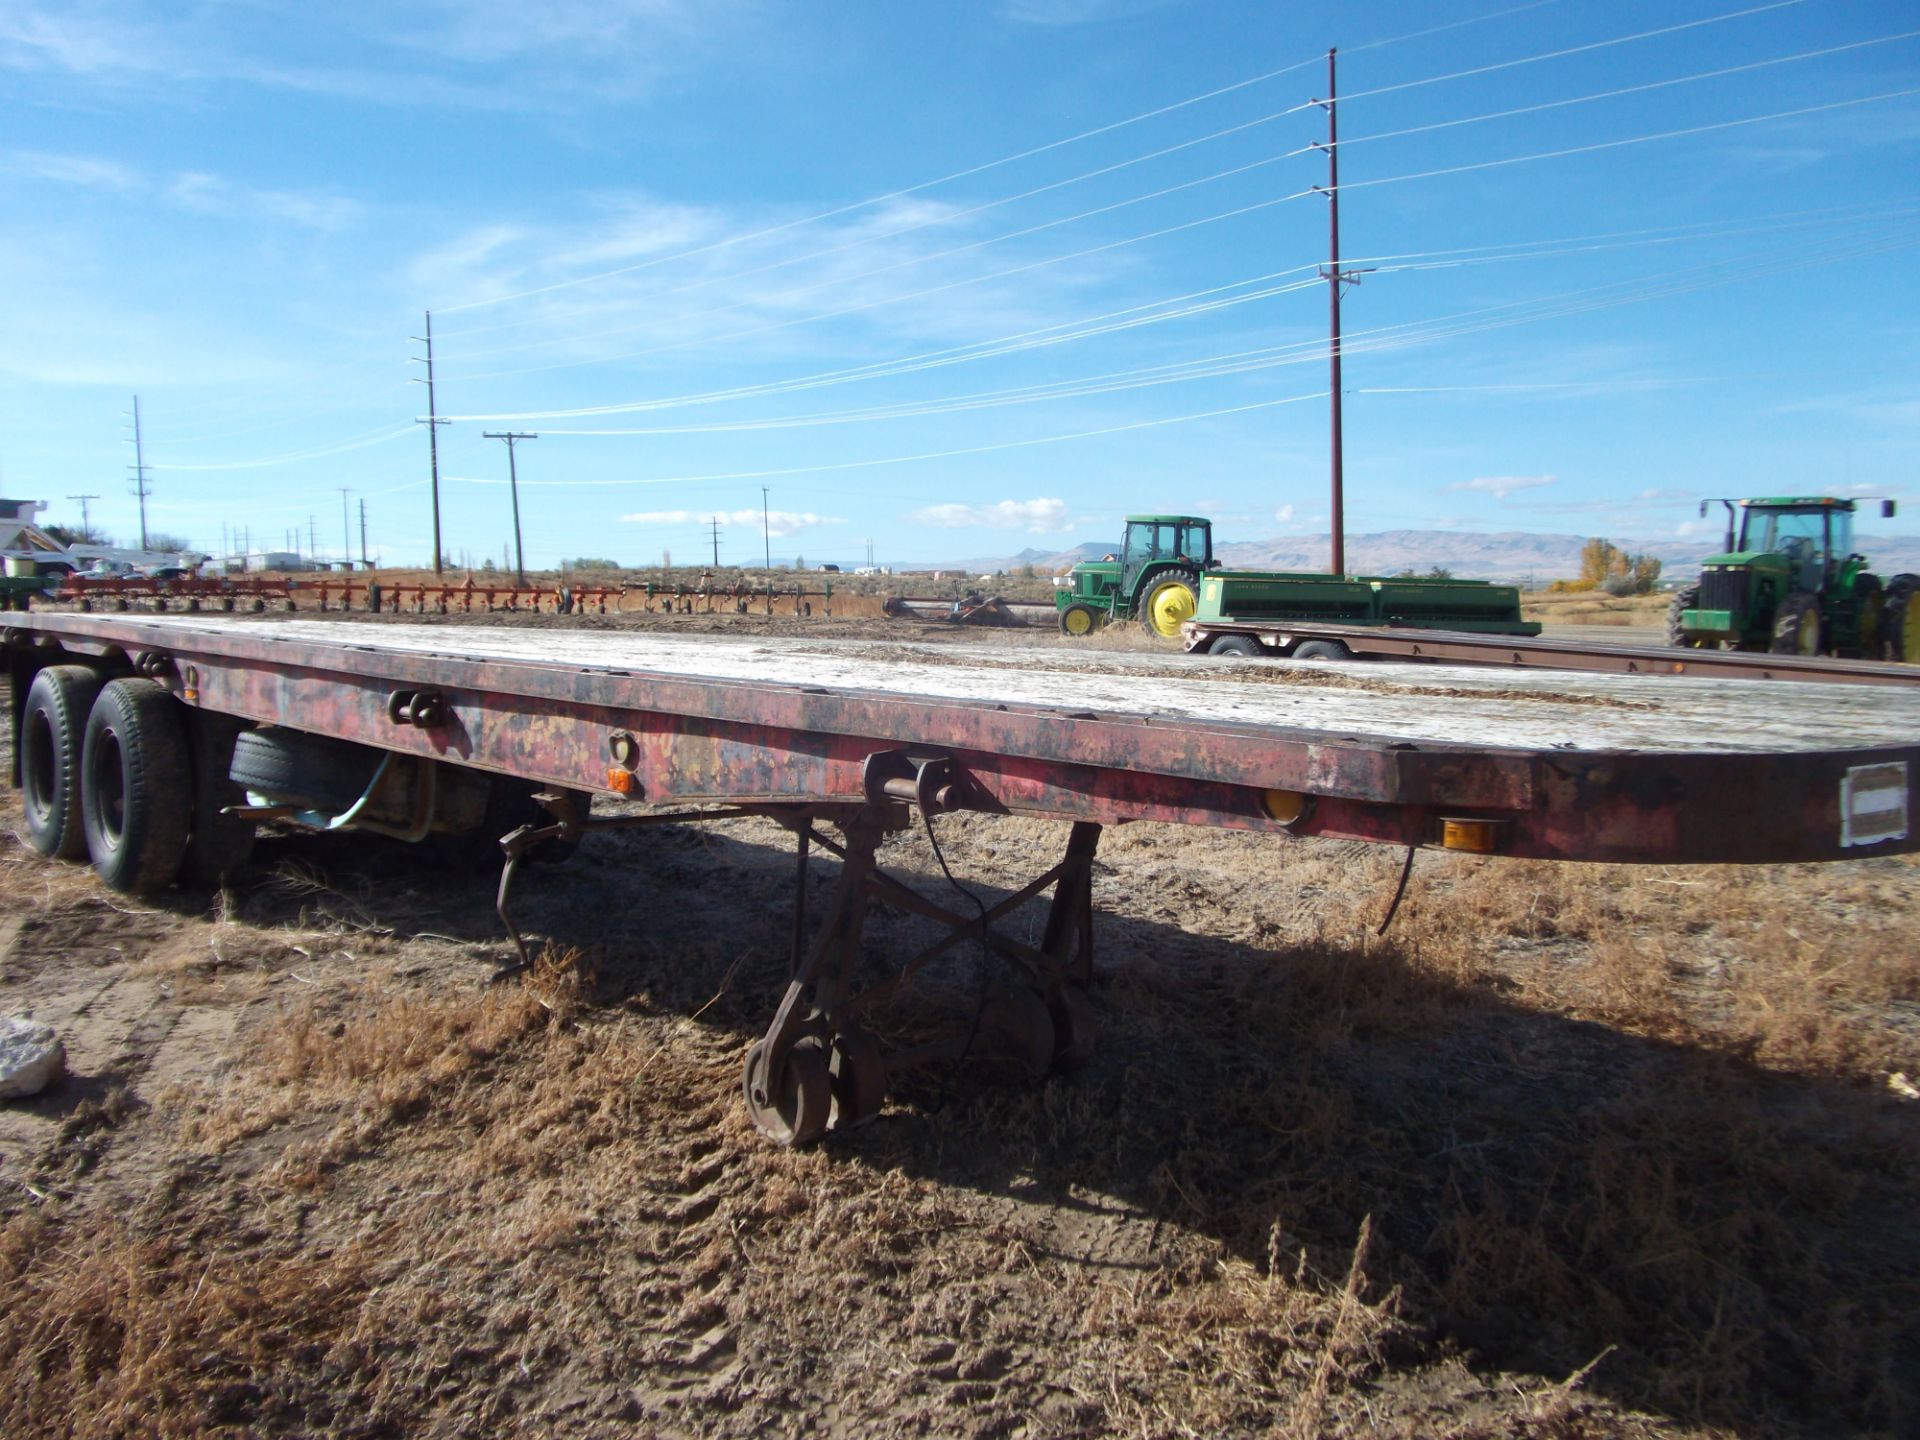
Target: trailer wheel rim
(37,766)
(106,788)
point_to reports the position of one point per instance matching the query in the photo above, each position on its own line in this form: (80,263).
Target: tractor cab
(1812,537)
(1154,541)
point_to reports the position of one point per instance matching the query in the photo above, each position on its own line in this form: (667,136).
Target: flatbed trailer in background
(1253,640)
(159,741)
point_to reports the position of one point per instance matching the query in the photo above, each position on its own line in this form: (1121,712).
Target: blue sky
(954,278)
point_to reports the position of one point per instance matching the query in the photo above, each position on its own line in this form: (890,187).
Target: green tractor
(1155,578)
(1790,583)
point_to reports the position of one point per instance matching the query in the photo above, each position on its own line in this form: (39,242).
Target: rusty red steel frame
(675,739)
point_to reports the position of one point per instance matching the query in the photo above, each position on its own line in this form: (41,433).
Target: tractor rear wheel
(1796,626)
(1900,619)
(1869,616)
(1169,601)
(1077,620)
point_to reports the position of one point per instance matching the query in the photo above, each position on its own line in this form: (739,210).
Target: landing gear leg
(816,1070)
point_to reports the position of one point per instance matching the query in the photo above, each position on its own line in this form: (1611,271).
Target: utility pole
(714,525)
(513,481)
(433,422)
(313,542)
(139,467)
(363,535)
(86,524)
(1335,278)
(346,531)
(766,529)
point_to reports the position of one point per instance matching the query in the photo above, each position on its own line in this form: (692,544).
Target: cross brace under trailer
(867,739)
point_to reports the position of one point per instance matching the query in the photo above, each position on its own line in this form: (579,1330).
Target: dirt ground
(1570,1151)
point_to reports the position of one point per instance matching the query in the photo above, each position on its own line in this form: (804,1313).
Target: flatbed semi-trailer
(139,733)
(1314,640)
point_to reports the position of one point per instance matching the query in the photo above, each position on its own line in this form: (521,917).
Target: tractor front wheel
(1900,619)
(1078,620)
(1796,627)
(1170,600)
(1685,599)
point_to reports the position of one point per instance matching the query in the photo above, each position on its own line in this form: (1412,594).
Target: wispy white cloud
(1284,514)
(79,39)
(195,192)
(563,53)
(1042,516)
(1073,12)
(86,171)
(203,194)
(1501,486)
(778,522)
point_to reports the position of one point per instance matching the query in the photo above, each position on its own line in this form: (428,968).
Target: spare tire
(291,767)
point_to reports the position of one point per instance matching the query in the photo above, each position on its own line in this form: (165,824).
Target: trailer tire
(136,788)
(1236,645)
(1796,625)
(52,732)
(1900,622)
(291,767)
(1321,650)
(1078,620)
(221,844)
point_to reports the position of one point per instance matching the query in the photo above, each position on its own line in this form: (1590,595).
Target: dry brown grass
(1569,1151)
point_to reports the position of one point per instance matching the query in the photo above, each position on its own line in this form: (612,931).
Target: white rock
(31,1057)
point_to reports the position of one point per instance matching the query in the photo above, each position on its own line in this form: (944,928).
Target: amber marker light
(1476,837)
(1288,807)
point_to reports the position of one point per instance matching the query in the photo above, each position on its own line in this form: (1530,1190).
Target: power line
(961,214)
(379,437)
(910,459)
(1375,340)
(1637,139)
(1127,317)
(1585,49)
(1027,154)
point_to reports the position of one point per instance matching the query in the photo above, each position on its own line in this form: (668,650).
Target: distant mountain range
(1514,555)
